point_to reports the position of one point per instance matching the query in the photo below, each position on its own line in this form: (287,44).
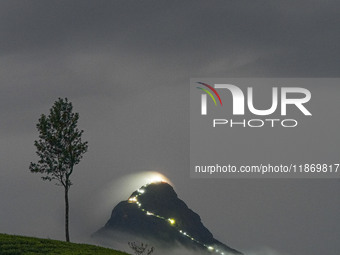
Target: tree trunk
(66,215)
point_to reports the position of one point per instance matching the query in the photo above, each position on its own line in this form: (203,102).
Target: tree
(59,148)
(141,248)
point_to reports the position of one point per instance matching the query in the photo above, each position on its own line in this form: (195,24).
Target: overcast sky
(126,66)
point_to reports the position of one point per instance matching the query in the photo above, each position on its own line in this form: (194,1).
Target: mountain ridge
(155,211)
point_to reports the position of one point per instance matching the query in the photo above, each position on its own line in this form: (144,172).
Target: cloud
(126,66)
(264,251)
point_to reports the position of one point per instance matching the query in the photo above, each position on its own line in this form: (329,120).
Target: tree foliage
(141,248)
(59,148)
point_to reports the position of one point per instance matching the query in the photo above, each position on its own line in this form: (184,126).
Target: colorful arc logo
(204,97)
(209,93)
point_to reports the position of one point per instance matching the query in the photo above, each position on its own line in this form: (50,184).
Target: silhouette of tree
(141,248)
(59,148)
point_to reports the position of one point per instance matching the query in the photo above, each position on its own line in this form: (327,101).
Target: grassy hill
(20,245)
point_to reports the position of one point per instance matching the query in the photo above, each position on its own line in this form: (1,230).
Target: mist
(126,67)
(119,241)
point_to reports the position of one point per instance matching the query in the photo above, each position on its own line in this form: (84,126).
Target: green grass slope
(20,245)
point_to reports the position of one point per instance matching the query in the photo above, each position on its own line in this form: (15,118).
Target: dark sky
(126,66)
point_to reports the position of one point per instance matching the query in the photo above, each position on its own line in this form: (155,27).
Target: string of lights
(171,221)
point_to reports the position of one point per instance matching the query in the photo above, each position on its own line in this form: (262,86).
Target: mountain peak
(155,211)
(156,191)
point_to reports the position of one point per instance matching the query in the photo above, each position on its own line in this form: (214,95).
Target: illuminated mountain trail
(170,221)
